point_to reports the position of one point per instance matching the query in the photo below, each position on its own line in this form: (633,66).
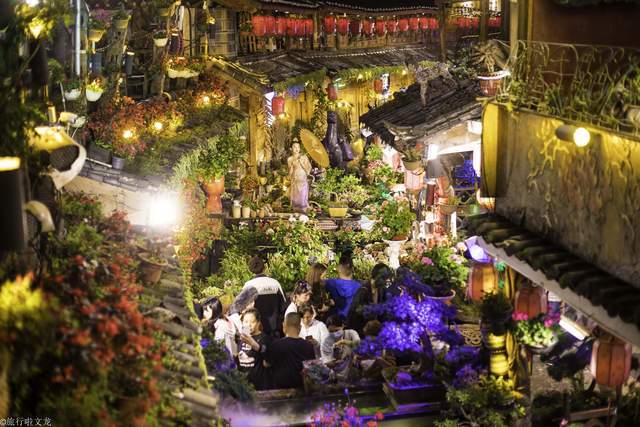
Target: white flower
(461,247)
(292,218)
(303,219)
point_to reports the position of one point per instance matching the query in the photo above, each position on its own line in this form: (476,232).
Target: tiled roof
(448,103)
(612,302)
(277,67)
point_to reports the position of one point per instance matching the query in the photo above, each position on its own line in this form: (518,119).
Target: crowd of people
(323,320)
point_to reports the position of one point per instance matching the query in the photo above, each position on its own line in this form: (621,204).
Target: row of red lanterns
(343,25)
(266,25)
(474,22)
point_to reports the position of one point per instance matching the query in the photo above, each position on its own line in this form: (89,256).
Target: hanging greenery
(305,80)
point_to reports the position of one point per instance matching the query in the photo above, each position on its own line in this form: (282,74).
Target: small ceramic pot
(72,95)
(236,211)
(246,212)
(117,163)
(93,95)
(95,35)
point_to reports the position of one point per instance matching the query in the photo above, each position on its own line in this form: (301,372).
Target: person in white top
(312,330)
(270,301)
(301,295)
(338,339)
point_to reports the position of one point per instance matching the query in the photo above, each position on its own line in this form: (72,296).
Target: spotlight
(578,135)
(32,3)
(127,134)
(164,210)
(157,126)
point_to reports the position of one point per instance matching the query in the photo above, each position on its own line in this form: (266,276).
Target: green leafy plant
(374,152)
(71,84)
(395,218)
(411,154)
(160,35)
(96,86)
(540,331)
(121,15)
(496,310)
(441,265)
(487,56)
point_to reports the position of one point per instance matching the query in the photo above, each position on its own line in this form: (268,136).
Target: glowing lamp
(381,27)
(403,24)
(32,3)
(482,280)
(164,210)
(35,27)
(127,134)
(424,23)
(206,99)
(281,26)
(578,135)
(413,23)
(332,92)
(270,25)
(360,76)
(330,24)
(259,25)
(392,26)
(343,26)
(377,86)
(404,71)
(366,27)
(157,126)
(611,361)
(277,106)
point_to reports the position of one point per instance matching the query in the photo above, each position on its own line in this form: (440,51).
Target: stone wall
(586,199)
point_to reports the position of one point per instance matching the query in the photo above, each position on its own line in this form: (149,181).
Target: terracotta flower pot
(214,190)
(490,84)
(150,271)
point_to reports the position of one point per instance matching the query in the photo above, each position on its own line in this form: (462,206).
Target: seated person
(253,345)
(301,295)
(342,289)
(244,301)
(312,330)
(285,355)
(331,347)
(271,300)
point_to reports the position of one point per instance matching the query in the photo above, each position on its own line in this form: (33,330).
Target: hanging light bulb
(157,125)
(127,134)
(206,99)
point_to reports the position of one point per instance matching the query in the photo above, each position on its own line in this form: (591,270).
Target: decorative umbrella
(314,147)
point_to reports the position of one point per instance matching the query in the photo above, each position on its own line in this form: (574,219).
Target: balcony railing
(596,85)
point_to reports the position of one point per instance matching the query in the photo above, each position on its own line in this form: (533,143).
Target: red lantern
(377,85)
(403,24)
(499,21)
(329,24)
(355,27)
(433,23)
(380,27)
(611,361)
(413,23)
(392,26)
(270,25)
(292,26)
(277,105)
(531,300)
(482,280)
(424,23)
(308,27)
(475,22)
(300,27)
(343,26)
(281,26)
(366,27)
(259,28)
(332,92)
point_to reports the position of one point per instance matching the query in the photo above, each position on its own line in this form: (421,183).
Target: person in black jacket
(253,344)
(285,356)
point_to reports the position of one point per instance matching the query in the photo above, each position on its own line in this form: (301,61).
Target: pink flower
(426,260)
(461,247)
(548,323)
(351,411)
(518,316)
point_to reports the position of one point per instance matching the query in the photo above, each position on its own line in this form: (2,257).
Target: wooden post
(443,31)
(484,20)
(513,27)
(256,137)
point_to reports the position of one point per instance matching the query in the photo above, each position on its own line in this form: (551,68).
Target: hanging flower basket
(72,95)
(121,24)
(93,95)
(174,74)
(95,35)
(411,165)
(161,42)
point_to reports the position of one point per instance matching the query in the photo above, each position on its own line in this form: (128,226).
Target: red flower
(379,416)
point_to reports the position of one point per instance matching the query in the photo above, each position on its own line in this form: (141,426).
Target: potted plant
(410,324)
(411,159)
(448,205)
(164,7)
(236,209)
(246,207)
(121,19)
(442,268)
(495,311)
(151,266)
(486,56)
(208,164)
(94,90)
(72,89)
(539,334)
(395,219)
(98,23)
(246,28)
(160,38)
(100,151)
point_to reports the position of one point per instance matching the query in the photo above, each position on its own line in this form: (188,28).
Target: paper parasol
(314,147)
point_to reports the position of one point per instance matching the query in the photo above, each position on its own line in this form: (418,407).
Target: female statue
(299,168)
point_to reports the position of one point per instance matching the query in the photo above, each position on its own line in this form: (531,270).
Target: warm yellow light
(211,20)
(581,137)
(35,27)
(404,72)
(360,76)
(281,116)
(206,100)
(127,134)
(9,163)
(32,3)
(157,125)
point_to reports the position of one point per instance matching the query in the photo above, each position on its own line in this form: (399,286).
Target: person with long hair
(300,296)
(253,344)
(320,299)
